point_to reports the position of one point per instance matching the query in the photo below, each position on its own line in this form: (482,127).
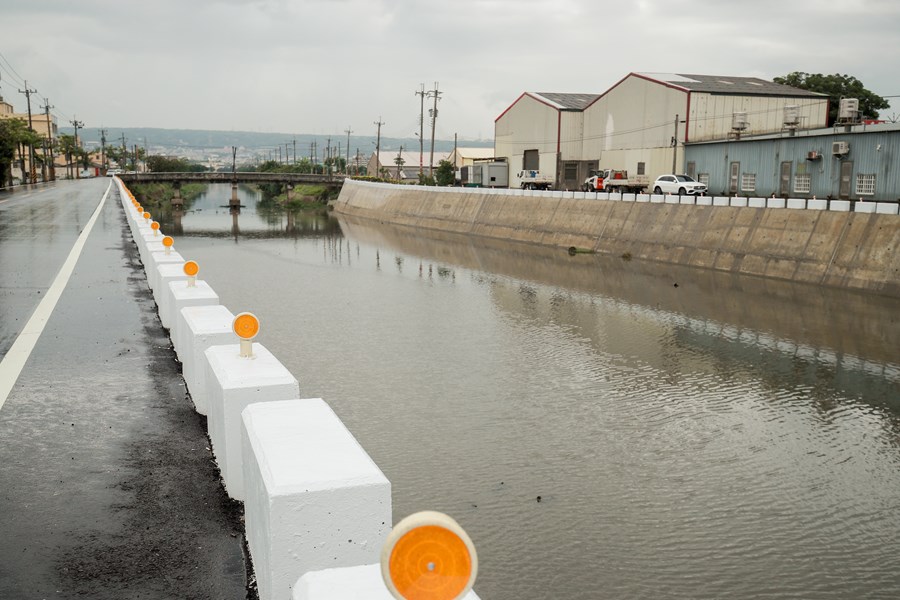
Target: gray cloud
(320,66)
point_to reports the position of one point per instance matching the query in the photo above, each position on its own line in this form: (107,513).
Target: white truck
(614,180)
(534,180)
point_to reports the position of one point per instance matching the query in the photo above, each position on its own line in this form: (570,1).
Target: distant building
(642,123)
(854,163)
(408,169)
(463,157)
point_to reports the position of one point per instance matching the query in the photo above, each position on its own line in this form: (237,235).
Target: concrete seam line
(12,364)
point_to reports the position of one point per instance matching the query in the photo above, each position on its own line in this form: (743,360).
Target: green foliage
(160,194)
(426,179)
(167,164)
(12,133)
(445,174)
(837,86)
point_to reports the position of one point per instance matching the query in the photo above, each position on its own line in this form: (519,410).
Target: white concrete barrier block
(739,201)
(314,498)
(179,296)
(887,208)
(796,203)
(629,197)
(757,202)
(817,205)
(159,283)
(154,259)
(150,247)
(775,203)
(672,199)
(657,198)
(687,200)
(360,583)
(614,197)
(721,201)
(198,328)
(839,205)
(865,207)
(642,198)
(704,200)
(233,383)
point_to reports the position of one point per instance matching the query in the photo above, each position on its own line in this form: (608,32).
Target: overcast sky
(321,66)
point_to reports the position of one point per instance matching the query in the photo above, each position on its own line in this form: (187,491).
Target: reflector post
(246,326)
(167,242)
(428,556)
(191,268)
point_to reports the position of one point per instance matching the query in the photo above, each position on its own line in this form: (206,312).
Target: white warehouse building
(642,123)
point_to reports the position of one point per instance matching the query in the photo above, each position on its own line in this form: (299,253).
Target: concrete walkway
(108,488)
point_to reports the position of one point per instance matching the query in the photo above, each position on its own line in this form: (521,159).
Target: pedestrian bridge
(235,177)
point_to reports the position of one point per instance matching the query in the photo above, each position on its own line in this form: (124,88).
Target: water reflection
(254,217)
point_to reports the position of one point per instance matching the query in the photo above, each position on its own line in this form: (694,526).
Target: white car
(678,184)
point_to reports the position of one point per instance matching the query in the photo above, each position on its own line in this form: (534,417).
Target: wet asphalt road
(107,485)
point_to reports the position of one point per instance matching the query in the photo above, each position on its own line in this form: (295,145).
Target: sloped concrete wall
(825,247)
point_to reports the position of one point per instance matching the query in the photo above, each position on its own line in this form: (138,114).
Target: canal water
(602,428)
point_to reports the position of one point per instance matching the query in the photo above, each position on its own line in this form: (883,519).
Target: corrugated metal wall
(874,151)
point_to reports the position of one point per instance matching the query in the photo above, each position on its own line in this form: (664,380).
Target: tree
(12,133)
(837,86)
(445,173)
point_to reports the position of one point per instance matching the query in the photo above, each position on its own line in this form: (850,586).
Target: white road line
(12,364)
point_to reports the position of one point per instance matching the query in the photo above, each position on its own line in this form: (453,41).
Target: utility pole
(76,124)
(399,161)
(434,113)
(675,145)
(421,94)
(295,151)
(52,169)
(348,131)
(103,150)
(328,157)
(379,122)
(28,94)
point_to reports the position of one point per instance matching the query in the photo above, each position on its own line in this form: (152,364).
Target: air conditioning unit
(848,109)
(739,121)
(791,115)
(840,148)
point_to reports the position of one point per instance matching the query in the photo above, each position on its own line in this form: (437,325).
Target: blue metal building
(861,162)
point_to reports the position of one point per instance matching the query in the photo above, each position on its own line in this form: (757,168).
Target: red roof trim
(645,78)
(530,95)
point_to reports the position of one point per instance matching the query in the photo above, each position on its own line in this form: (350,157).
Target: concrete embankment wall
(854,250)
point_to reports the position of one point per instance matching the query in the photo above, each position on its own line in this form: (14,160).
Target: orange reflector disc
(246,325)
(154,226)
(191,268)
(428,556)
(146,215)
(168,241)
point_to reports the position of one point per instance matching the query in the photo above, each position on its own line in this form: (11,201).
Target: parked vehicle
(615,180)
(534,180)
(678,184)
(486,174)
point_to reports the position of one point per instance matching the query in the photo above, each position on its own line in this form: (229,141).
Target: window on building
(531,160)
(571,173)
(801,183)
(865,184)
(641,168)
(748,182)
(704,179)
(692,170)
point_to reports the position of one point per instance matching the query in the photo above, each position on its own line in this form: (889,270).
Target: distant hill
(250,140)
